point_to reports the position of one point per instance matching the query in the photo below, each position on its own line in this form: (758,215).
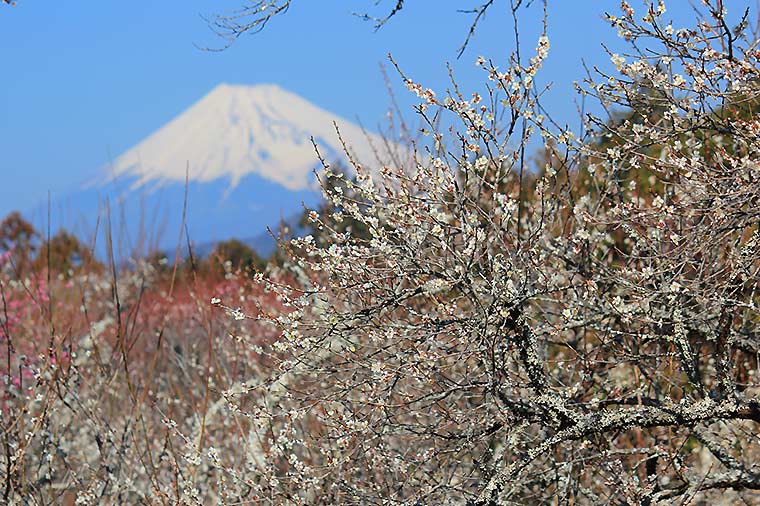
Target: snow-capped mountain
(250,160)
(238,130)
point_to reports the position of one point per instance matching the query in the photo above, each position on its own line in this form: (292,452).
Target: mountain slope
(250,161)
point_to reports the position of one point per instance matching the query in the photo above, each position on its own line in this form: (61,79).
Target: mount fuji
(249,159)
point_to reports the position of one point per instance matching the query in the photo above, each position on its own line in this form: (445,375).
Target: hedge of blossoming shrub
(456,330)
(90,420)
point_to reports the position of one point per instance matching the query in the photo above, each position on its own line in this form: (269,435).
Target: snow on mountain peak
(236,130)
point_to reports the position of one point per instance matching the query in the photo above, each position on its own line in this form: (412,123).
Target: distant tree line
(23,250)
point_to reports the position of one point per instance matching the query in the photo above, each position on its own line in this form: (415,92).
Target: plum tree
(590,339)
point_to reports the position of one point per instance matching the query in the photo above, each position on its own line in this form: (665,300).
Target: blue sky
(84,81)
